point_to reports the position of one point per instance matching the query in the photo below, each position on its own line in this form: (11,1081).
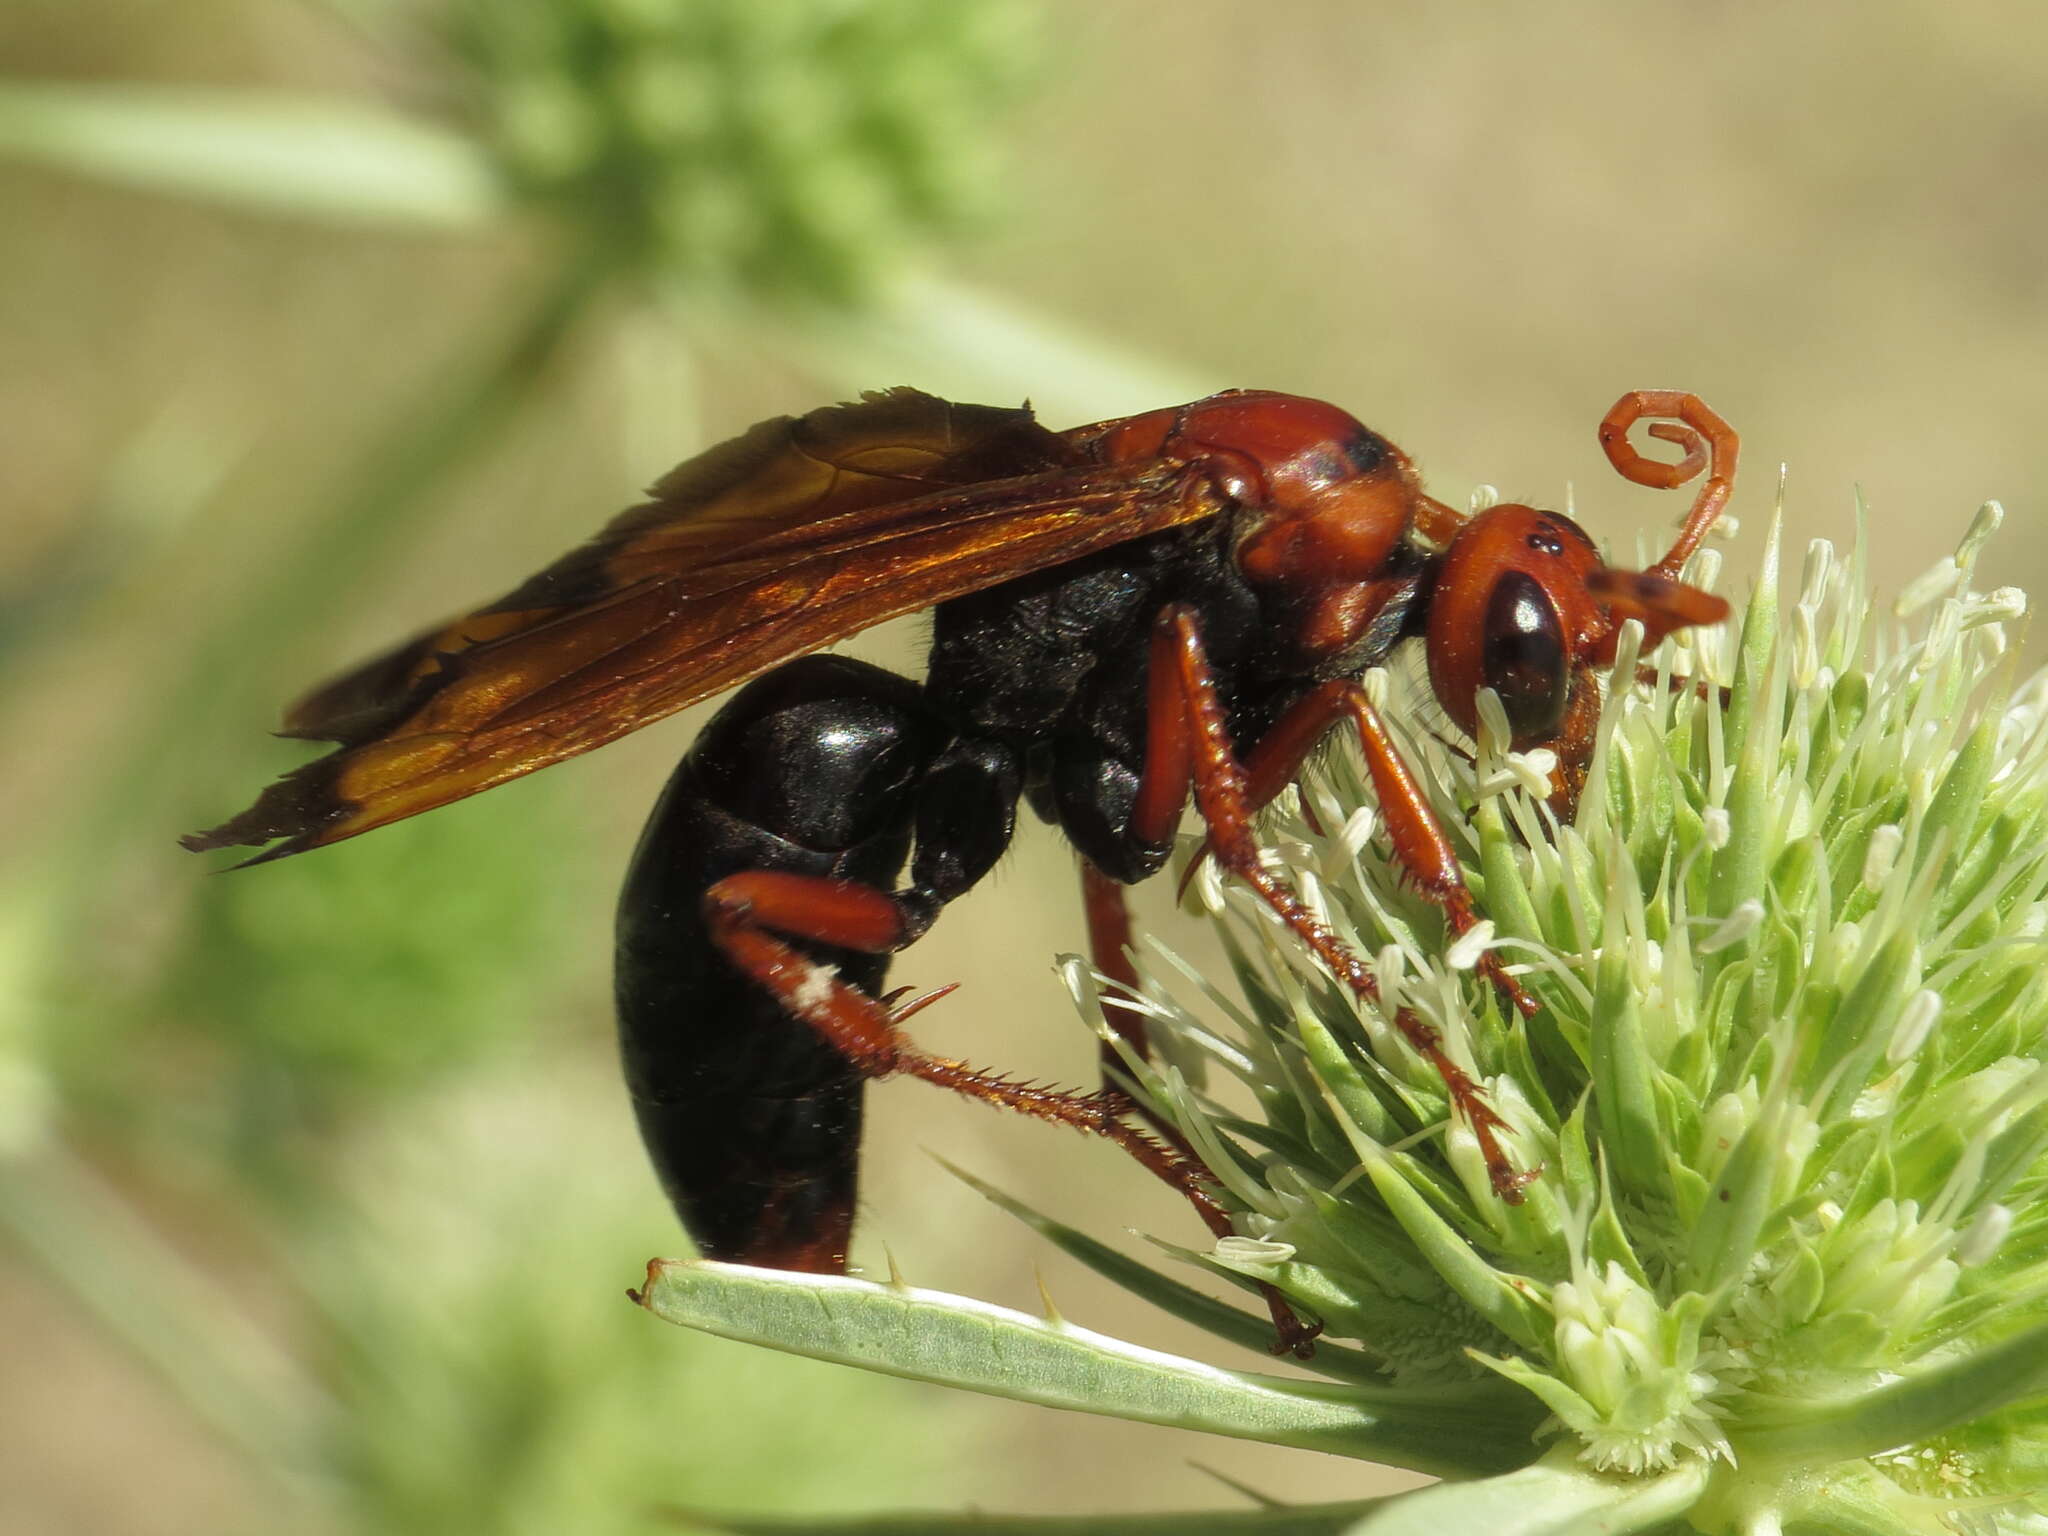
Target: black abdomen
(751,1117)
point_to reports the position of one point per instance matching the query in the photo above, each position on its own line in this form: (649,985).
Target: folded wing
(798,533)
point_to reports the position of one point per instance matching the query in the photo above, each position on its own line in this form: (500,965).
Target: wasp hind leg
(751,1117)
(753,943)
(756,917)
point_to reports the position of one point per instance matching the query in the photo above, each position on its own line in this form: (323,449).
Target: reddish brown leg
(1421,845)
(1195,738)
(1706,692)
(747,913)
(1573,743)
(1109,946)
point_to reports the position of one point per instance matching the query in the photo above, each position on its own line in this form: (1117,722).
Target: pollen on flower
(1915,1024)
(1883,852)
(2001,606)
(1527,771)
(1734,928)
(1470,946)
(1635,1393)
(1251,1250)
(1980,1240)
(1356,832)
(1714,827)
(1932,584)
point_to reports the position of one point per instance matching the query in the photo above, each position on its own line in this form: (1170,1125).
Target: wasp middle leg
(1189,750)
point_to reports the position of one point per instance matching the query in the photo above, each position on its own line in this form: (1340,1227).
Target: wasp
(1126,615)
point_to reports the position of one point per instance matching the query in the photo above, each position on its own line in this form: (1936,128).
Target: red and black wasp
(1125,614)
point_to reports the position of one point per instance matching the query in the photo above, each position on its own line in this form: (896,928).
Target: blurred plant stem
(196,1338)
(717,174)
(91,1242)
(342,548)
(958,339)
(337,159)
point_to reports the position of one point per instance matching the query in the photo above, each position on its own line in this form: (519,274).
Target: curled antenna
(1703,438)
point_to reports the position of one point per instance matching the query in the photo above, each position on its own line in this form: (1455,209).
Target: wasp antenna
(1704,441)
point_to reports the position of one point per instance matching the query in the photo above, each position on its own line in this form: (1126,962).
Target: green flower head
(1784,1104)
(1780,1261)
(776,146)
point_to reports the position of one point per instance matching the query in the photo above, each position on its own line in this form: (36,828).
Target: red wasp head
(1519,601)
(1523,604)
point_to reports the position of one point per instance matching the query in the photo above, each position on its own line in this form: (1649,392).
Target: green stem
(80,1231)
(961,341)
(344,546)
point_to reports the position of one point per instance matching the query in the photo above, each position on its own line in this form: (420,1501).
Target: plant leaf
(1962,1389)
(1555,1497)
(1232,1324)
(955,1341)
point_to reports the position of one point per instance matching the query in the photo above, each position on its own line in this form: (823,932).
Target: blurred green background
(317,1192)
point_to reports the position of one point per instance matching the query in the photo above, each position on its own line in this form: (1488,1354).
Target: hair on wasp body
(1128,617)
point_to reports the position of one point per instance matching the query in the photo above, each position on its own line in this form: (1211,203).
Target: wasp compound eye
(1524,656)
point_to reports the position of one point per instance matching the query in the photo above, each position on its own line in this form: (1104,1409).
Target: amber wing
(796,534)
